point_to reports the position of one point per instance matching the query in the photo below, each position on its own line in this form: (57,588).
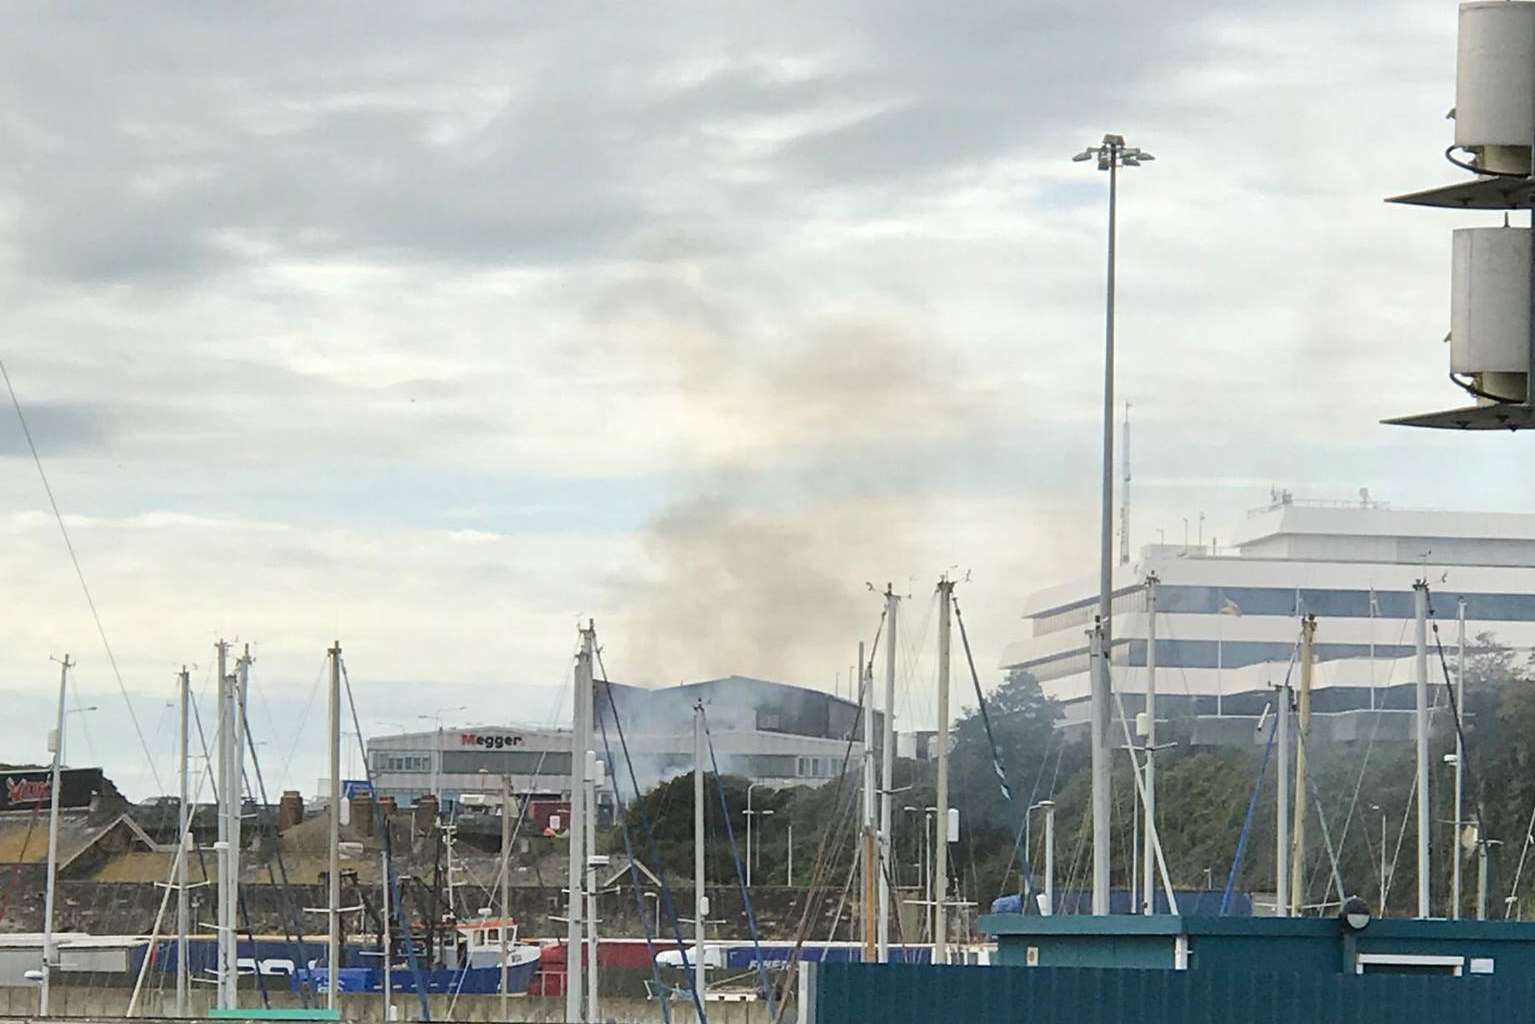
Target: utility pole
(1111,155)
(1148,857)
(506,888)
(581,732)
(1303,721)
(887,777)
(700,898)
(1420,601)
(941,852)
(183,843)
(1460,753)
(333,902)
(869,865)
(50,950)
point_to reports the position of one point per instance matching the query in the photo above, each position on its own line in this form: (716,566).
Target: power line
(80,574)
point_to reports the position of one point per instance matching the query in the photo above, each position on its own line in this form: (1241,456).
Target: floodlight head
(1146,157)
(1086,154)
(1103,162)
(1130,161)
(1355,914)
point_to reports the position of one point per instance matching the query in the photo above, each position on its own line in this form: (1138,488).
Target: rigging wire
(381,825)
(665,896)
(1364,765)
(842,797)
(80,575)
(751,917)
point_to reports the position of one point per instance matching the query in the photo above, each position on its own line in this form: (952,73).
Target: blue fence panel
(851,993)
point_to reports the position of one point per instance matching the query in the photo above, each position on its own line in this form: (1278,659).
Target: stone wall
(104,908)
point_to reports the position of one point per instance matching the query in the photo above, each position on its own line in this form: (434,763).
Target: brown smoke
(812,489)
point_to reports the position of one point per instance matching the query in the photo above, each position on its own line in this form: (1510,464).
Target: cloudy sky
(438,328)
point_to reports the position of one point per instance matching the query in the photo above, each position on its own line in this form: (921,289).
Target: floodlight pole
(1111,155)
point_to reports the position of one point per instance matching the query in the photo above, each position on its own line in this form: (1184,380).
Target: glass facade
(1289,601)
(1205,654)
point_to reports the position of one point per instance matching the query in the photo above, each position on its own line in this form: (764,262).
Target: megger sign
(489,741)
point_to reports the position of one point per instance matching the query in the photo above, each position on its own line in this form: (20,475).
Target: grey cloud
(58,428)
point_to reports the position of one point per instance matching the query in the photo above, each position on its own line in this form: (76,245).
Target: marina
(544,516)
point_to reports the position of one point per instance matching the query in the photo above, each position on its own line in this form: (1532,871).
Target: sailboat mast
(594,769)
(941,847)
(700,899)
(1149,860)
(1282,804)
(227,841)
(1460,753)
(388,939)
(868,864)
(333,899)
(50,954)
(1302,788)
(1420,601)
(581,731)
(887,777)
(183,841)
(506,882)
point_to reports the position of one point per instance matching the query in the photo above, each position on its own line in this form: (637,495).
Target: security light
(1355,914)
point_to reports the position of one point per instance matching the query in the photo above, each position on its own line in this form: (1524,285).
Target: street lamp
(1111,155)
(1048,806)
(749,815)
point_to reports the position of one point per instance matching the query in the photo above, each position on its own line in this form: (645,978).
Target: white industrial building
(1227,620)
(773,733)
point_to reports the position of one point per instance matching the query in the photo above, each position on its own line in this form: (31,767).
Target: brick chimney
(362,814)
(425,813)
(290,809)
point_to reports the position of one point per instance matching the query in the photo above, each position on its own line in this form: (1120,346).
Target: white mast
(1148,881)
(594,770)
(228,837)
(1460,753)
(1302,780)
(1420,601)
(1049,907)
(388,939)
(333,900)
(1282,800)
(580,742)
(50,953)
(941,848)
(183,843)
(887,776)
(506,883)
(870,838)
(700,899)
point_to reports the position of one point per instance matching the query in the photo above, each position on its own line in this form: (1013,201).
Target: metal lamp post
(1111,155)
(750,814)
